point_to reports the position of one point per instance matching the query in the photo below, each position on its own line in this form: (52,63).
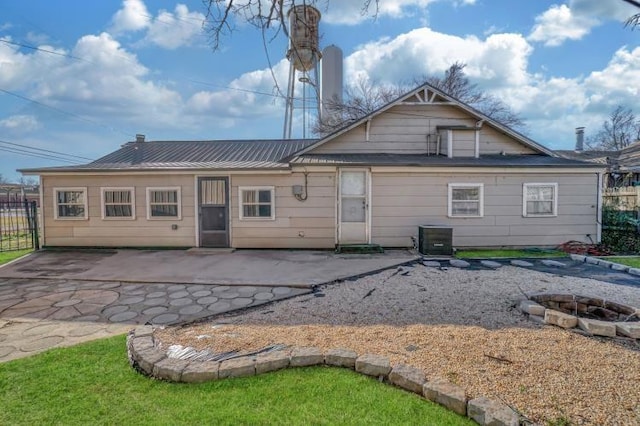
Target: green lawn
(8,256)
(509,253)
(93,384)
(633,261)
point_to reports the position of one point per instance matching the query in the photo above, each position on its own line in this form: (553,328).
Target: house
(423,159)
(623,166)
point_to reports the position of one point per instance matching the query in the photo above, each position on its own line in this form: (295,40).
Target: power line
(44,150)
(37,155)
(53,52)
(61,111)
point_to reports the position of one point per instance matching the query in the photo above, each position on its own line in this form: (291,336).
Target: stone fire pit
(593,315)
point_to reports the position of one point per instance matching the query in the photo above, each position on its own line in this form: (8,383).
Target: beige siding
(96,232)
(463,143)
(494,142)
(297,224)
(403,129)
(402,201)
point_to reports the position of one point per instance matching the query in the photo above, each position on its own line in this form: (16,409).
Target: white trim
(41,240)
(452,186)
(196,209)
(367,131)
(138,172)
(367,195)
(599,209)
(82,189)
(131,189)
(165,188)
(526,185)
(476,147)
(480,170)
(257,188)
(449,143)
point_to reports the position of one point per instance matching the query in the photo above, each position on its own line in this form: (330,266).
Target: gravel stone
(452,319)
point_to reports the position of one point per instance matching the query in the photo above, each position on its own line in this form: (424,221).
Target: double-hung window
(466,200)
(70,203)
(257,202)
(164,203)
(539,199)
(118,203)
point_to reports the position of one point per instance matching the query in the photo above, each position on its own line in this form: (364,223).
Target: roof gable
(427,94)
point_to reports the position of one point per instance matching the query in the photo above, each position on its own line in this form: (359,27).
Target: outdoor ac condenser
(435,240)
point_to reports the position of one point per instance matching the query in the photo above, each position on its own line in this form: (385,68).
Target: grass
(509,253)
(93,384)
(633,261)
(8,256)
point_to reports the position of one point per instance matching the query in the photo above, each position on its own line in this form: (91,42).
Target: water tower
(303,55)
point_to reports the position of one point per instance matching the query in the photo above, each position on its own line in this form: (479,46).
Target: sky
(80,78)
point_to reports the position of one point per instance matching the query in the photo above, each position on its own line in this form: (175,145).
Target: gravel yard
(460,325)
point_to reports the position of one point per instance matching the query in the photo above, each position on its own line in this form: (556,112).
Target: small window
(257,203)
(70,203)
(466,200)
(540,199)
(118,203)
(163,203)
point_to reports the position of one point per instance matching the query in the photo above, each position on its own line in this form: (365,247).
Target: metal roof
(178,155)
(422,160)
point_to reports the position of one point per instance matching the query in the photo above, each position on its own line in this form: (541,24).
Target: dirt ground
(460,325)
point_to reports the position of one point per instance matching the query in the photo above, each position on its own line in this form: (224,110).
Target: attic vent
(139,138)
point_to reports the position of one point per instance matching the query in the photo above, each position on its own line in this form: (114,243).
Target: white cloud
(618,10)
(132,17)
(20,123)
(352,13)
(497,60)
(558,24)
(173,30)
(169,30)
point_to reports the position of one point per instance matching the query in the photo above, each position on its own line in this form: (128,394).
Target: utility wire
(53,52)
(61,111)
(43,150)
(37,155)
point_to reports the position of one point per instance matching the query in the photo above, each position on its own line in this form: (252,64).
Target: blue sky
(106,70)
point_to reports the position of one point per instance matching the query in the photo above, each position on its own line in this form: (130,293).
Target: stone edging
(145,357)
(597,261)
(593,327)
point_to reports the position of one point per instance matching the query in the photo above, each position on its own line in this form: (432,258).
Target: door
(353,207)
(213,211)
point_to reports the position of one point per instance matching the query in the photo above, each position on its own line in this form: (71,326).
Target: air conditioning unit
(435,240)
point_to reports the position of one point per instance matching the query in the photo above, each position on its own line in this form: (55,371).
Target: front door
(213,211)
(353,207)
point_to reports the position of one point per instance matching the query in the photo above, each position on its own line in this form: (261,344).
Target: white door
(353,207)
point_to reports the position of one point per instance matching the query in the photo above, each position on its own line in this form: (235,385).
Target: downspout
(477,145)
(599,209)
(367,130)
(449,143)
(40,217)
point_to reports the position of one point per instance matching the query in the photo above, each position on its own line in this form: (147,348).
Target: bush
(620,230)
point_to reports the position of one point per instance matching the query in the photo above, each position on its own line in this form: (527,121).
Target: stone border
(591,327)
(148,359)
(607,264)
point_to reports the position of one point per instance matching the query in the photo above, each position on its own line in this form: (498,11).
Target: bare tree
(361,99)
(620,130)
(456,84)
(264,15)
(634,20)
(366,96)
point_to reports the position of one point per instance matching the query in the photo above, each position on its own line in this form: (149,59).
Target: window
(257,203)
(540,199)
(70,203)
(163,203)
(118,203)
(466,200)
